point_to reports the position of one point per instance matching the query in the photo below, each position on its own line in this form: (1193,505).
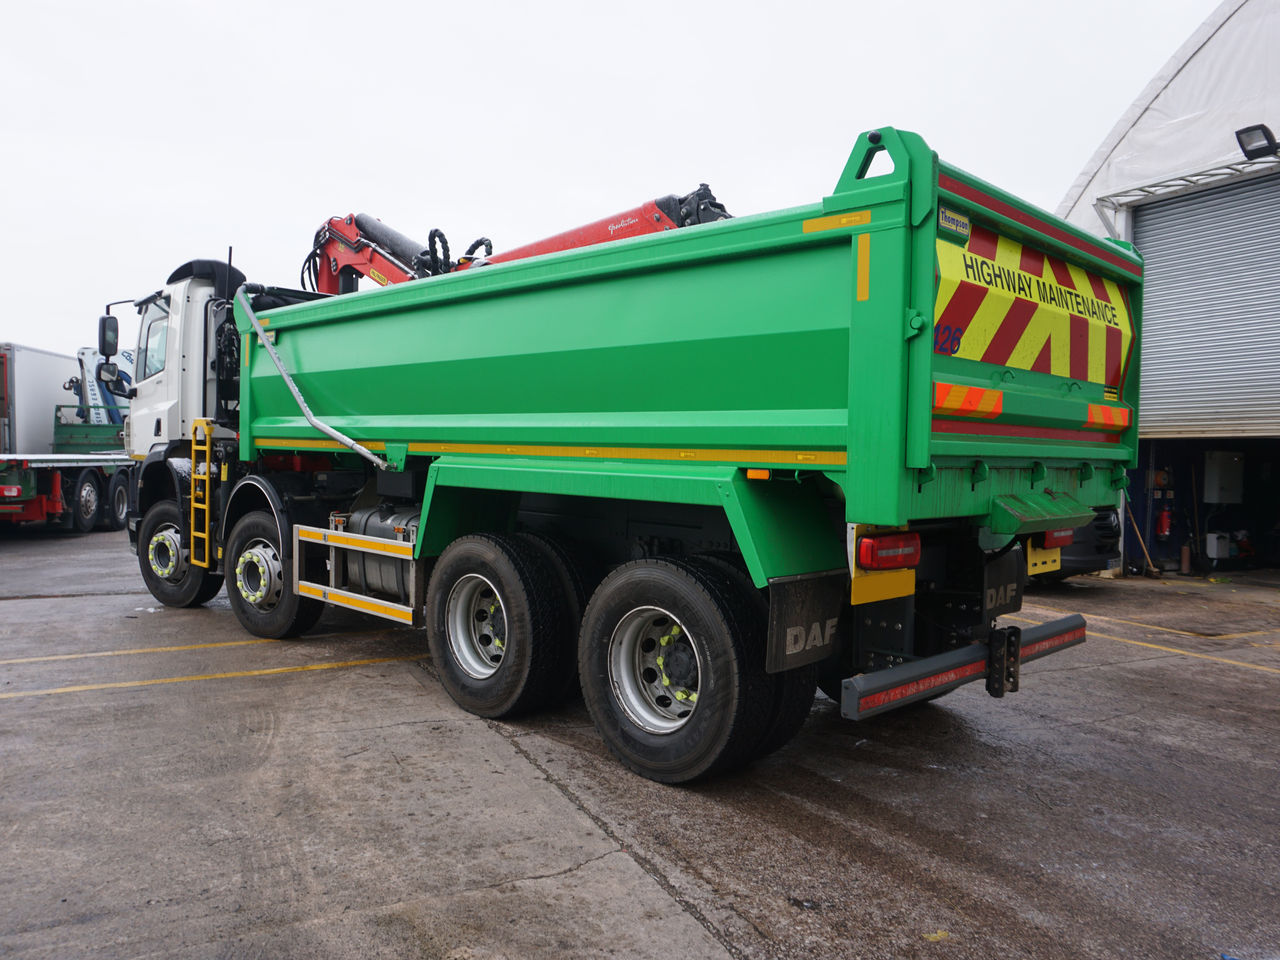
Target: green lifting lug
(916,324)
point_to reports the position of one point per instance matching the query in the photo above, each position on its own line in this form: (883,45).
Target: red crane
(347,248)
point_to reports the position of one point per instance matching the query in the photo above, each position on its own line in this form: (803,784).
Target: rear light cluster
(890,551)
(10,491)
(1058,538)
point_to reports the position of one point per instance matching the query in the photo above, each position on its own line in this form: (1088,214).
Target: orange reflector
(893,551)
(1058,538)
(754,473)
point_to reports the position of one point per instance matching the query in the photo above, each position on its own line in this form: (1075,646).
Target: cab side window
(155,335)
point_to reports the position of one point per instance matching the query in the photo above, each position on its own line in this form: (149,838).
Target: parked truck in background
(60,461)
(696,473)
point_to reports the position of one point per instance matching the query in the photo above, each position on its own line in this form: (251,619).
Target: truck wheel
(165,562)
(86,502)
(117,504)
(495,624)
(577,578)
(672,674)
(260,581)
(792,690)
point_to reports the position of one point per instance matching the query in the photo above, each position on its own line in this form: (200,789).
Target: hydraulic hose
(328,431)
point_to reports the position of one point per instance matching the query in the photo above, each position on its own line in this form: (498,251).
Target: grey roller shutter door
(1211,330)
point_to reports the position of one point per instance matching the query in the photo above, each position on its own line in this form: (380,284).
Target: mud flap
(803,616)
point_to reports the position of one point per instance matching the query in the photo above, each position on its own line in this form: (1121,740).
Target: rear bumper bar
(870,693)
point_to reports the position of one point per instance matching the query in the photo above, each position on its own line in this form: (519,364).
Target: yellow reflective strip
(369,544)
(273,443)
(270,671)
(375,546)
(803,457)
(391,611)
(857,218)
(864,266)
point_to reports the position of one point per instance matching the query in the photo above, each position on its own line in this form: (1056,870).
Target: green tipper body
(932,346)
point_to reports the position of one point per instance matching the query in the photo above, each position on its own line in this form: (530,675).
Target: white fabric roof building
(1172,179)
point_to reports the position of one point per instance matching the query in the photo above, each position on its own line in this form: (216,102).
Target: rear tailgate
(1034,366)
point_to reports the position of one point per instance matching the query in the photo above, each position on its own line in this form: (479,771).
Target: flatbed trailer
(56,464)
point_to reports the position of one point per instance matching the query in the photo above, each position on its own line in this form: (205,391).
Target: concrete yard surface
(173,787)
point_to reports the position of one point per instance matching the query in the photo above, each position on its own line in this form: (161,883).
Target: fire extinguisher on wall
(1164,521)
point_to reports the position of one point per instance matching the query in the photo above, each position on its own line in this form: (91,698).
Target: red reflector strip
(1106,417)
(923,685)
(952,400)
(1049,643)
(1058,538)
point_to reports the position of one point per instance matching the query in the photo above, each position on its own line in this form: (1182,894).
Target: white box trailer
(30,388)
(49,473)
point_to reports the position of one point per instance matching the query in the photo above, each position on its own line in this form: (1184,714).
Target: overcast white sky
(138,134)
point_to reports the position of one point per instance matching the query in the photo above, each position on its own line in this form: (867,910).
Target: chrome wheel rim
(260,574)
(89,500)
(165,554)
(654,669)
(476,626)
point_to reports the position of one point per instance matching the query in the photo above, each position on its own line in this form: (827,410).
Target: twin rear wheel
(670,653)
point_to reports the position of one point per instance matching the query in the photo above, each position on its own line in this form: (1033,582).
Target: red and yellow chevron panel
(1106,417)
(953,400)
(1004,303)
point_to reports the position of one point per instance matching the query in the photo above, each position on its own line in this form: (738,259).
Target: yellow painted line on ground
(269,672)
(127,653)
(1152,626)
(1157,646)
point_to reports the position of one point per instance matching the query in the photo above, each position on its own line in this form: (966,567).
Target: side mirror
(108,337)
(109,375)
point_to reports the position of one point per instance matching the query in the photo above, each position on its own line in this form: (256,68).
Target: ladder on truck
(201,474)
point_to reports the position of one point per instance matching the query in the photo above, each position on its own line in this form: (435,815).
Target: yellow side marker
(1157,646)
(126,653)
(272,671)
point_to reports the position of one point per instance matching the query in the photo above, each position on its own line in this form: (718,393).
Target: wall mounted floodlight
(1256,141)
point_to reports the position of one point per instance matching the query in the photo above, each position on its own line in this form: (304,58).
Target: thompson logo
(952,225)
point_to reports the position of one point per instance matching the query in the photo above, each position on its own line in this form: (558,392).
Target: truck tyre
(495,626)
(165,562)
(260,581)
(86,501)
(792,690)
(672,671)
(116,511)
(577,578)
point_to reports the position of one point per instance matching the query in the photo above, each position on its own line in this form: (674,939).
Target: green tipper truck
(698,473)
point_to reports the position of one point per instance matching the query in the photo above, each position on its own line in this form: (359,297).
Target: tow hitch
(1004,656)
(999,660)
